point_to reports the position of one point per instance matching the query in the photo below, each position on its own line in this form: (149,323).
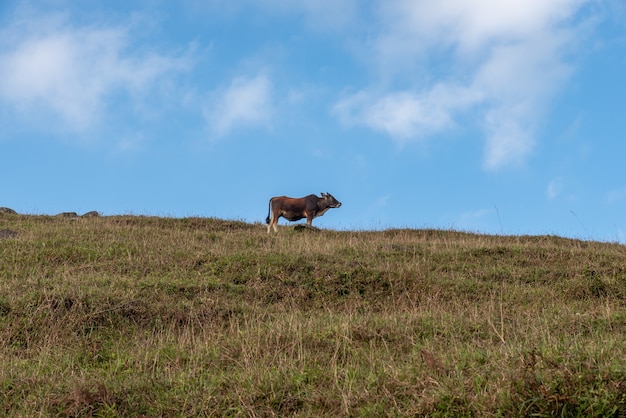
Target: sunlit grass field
(142,316)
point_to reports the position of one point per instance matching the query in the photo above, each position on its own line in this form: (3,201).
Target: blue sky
(478,115)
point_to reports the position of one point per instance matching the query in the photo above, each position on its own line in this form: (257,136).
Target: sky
(487,116)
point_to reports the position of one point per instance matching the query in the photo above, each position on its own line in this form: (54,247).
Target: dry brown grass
(142,316)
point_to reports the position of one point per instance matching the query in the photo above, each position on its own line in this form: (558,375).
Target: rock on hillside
(67,215)
(7,233)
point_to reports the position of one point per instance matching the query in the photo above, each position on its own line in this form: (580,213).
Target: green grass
(144,316)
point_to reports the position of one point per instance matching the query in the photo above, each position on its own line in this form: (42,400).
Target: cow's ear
(323,195)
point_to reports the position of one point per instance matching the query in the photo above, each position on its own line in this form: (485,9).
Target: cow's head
(330,201)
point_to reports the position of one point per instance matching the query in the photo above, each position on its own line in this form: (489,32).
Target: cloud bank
(247,101)
(501,62)
(406,115)
(68,73)
(428,65)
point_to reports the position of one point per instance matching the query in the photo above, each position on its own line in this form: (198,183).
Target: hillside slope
(144,316)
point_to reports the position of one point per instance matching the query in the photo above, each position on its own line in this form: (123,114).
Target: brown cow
(294,209)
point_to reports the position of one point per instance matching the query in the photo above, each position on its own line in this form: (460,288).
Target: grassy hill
(142,316)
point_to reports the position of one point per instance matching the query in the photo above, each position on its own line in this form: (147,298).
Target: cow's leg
(270,223)
(309,219)
(273,223)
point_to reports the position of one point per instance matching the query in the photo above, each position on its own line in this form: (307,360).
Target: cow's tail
(269,208)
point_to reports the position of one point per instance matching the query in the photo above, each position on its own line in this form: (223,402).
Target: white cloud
(413,27)
(405,115)
(519,79)
(503,60)
(64,75)
(616,195)
(554,189)
(246,101)
(509,137)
